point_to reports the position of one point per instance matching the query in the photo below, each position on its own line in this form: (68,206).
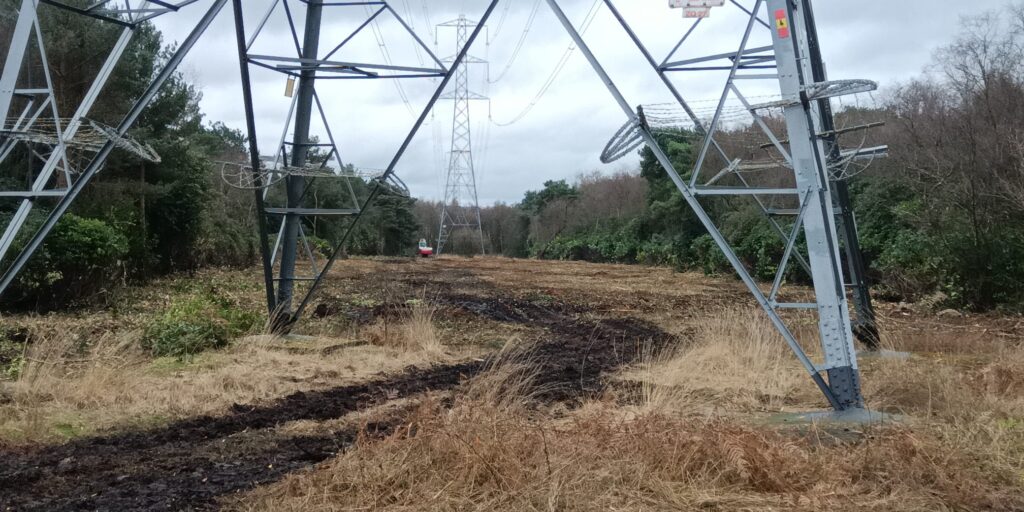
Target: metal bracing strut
(97,162)
(811,189)
(254,153)
(59,154)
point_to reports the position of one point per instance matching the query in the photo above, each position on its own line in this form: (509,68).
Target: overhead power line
(501,22)
(591,15)
(412,24)
(519,45)
(386,54)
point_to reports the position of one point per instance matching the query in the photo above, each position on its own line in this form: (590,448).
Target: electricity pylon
(295,167)
(801,181)
(461,208)
(799,173)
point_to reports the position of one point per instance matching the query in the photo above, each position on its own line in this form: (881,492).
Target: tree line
(137,220)
(940,218)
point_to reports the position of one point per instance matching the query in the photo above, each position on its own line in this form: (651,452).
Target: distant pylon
(461,209)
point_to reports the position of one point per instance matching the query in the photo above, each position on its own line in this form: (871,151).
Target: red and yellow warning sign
(782,23)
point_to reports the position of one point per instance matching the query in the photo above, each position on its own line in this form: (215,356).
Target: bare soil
(192,464)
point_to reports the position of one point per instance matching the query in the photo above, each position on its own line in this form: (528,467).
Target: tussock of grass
(415,332)
(489,452)
(972,409)
(737,360)
(1005,376)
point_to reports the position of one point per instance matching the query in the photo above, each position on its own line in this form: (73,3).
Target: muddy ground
(578,340)
(582,323)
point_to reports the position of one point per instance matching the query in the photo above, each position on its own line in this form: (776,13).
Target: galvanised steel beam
(865,324)
(698,209)
(810,165)
(59,153)
(101,156)
(20,39)
(254,152)
(390,171)
(295,186)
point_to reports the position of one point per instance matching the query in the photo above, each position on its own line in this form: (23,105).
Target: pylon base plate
(857,416)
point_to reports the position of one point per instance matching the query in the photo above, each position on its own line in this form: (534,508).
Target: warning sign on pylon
(782,23)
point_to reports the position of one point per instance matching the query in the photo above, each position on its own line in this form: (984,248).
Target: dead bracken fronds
(737,359)
(484,456)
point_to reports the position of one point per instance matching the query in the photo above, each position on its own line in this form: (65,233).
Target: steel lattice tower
(798,199)
(810,160)
(29,116)
(461,209)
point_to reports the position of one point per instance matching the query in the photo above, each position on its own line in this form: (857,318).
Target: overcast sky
(562,136)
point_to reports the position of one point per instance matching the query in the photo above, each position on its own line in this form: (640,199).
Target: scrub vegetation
(506,385)
(601,358)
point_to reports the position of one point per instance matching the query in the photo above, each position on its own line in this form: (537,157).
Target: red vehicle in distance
(424,250)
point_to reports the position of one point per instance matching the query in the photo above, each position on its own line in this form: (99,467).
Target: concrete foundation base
(847,417)
(884,354)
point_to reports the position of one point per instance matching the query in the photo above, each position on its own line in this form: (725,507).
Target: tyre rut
(191,464)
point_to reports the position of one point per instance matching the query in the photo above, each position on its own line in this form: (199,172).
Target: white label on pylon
(695,8)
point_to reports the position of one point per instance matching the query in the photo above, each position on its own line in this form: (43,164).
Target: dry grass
(490,452)
(737,362)
(65,391)
(961,446)
(415,333)
(975,409)
(488,447)
(481,458)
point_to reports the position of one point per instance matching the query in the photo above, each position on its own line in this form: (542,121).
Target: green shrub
(12,352)
(707,256)
(196,324)
(912,264)
(320,247)
(79,261)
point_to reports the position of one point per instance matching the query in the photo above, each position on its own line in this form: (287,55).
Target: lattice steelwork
(801,167)
(290,165)
(29,116)
(461,208)
(804,165)
(128,13)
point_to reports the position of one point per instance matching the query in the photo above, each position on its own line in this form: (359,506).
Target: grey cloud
(884,40)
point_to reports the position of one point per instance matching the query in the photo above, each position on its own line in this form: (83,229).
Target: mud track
(191,464)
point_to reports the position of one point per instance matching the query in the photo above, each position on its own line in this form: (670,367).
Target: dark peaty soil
(190,464)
